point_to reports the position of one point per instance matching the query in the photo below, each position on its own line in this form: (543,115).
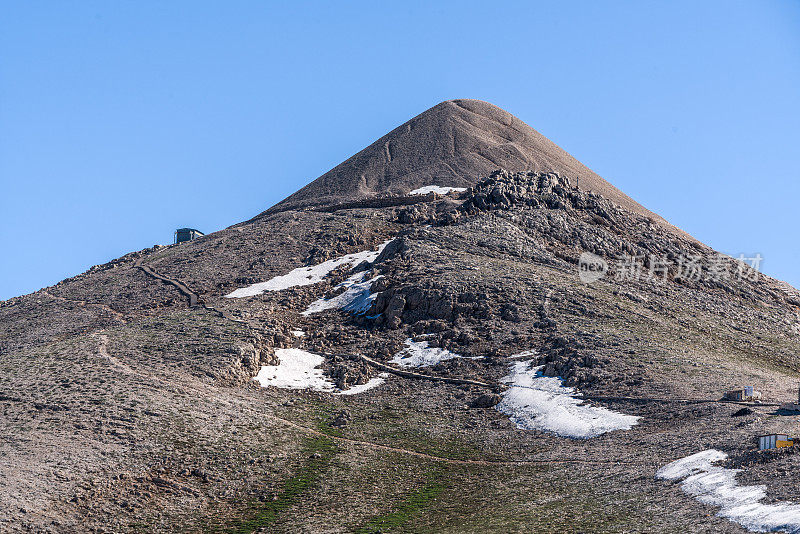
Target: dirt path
(675,400)
(501,387)
(453,461)
(113,360)
(117,315)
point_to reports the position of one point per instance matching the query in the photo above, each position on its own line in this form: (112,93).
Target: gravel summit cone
(441,334)
(449,145)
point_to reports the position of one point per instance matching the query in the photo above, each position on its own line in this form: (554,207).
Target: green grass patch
(408,507)
(323,415)
(319,451)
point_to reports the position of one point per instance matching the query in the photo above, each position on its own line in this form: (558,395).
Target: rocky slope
(126,409)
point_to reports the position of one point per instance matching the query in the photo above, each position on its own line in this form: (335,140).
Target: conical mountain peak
(452,144)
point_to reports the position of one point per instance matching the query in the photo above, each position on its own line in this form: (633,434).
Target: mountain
(516,354)
(449,144)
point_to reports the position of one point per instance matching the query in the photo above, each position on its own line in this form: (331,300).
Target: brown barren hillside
(357,359)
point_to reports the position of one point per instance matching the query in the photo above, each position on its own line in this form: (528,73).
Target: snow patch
(356,298)
(361,388)
(419,354)
(436,189)
(298,333)
(297,369)
(717,486)
(536,402)
(304,276)
(524,354)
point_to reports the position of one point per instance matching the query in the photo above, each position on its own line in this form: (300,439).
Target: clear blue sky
(121,121)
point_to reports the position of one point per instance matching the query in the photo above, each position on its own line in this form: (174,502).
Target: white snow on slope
(535,402)
(717,486)
(419,354)
(373,382)
(297,369)
(436,189)
(356,298)
(304,276)
(524,354)
(298,333)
